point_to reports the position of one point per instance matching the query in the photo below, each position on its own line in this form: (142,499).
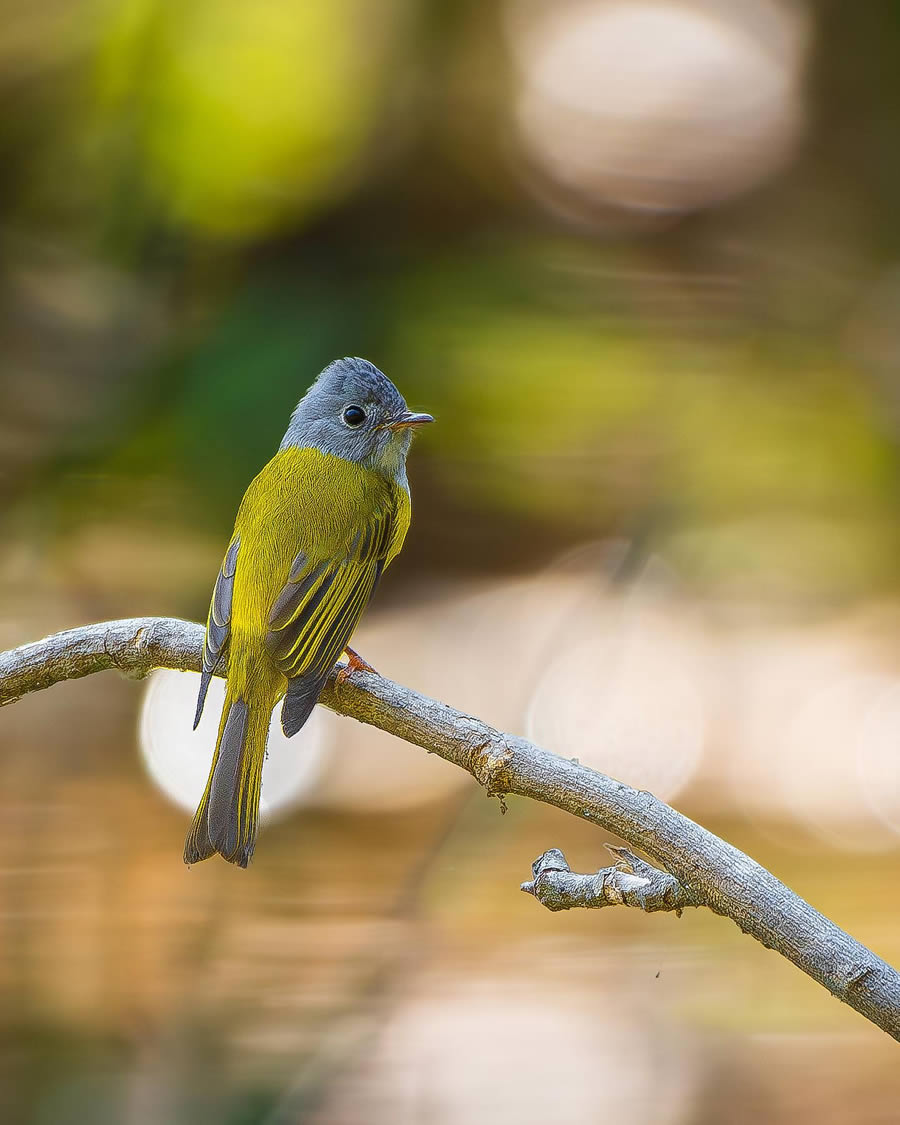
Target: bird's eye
(354,416)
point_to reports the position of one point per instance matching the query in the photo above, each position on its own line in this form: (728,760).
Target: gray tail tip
(196,851)
(239,858)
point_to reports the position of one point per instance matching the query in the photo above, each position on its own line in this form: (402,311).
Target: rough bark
(694,867)
(629,882)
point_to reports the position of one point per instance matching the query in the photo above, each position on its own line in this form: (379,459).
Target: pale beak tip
(411,419)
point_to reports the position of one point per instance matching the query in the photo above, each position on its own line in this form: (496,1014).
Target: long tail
(227,818)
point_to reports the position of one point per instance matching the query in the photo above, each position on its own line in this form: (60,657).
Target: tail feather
(302,694)
(197,846)
(227,822)
(227,818)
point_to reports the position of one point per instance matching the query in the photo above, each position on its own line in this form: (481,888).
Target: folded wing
(218,624)
(314,615)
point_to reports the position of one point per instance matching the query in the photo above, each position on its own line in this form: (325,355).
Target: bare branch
(706,871)
(629,882)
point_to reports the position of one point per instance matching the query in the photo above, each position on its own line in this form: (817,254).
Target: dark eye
(354,416)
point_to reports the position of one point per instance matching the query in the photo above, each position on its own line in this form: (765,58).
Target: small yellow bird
(313,534)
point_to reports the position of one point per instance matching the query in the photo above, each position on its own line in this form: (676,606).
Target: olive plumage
(314,532)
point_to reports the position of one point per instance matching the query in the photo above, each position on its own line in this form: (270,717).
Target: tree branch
(698,868)
(629,882)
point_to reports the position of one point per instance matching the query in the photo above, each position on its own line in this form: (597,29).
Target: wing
(316,612)
(218,624)
(312,618)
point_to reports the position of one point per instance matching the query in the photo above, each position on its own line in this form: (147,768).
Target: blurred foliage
(203,204)
(239,115)
(209,202)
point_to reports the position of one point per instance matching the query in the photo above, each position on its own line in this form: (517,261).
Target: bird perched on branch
(313,534)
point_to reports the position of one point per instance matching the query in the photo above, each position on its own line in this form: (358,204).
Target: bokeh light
(622,691)
(877,759)
(244,116)
(655,106)
(178,757)
(639,258)
(573,1054)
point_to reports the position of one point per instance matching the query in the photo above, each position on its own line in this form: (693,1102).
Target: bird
(314,532)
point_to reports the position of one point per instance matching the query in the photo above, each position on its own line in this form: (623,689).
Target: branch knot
(489,761)
(630,881)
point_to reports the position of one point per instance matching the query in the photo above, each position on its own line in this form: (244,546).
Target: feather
(224,814)
(302,694)
(314,616)
(312,537)
(218,624)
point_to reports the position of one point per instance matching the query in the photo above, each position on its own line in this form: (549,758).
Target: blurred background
(641,258)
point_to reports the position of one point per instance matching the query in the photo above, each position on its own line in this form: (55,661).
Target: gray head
(355,412)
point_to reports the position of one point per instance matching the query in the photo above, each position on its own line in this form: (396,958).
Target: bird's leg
(355,663)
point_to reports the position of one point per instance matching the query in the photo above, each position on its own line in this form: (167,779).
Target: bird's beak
(408,420)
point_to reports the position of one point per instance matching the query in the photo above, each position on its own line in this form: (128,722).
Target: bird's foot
(355,663)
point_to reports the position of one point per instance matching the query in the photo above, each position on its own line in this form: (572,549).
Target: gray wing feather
(281,638)
(315,614)
(218,625)
(295,590)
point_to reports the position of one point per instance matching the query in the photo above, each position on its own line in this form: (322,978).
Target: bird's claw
(355,663)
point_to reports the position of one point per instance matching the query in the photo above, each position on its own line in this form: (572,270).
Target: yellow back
(310,501)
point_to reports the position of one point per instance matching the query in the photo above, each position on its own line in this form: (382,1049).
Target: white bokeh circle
(626,699)
(178,758)
(657,105)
